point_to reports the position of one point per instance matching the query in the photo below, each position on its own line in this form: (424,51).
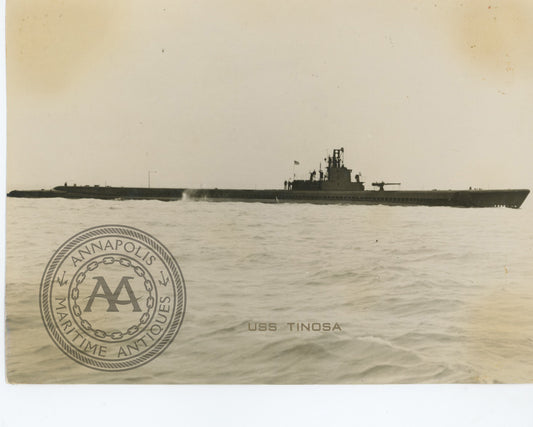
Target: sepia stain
(494,36)
(500,336)
(51,44)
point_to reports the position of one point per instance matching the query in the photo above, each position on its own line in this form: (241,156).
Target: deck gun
(382,184)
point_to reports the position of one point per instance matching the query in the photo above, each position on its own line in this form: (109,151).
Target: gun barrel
(379,184)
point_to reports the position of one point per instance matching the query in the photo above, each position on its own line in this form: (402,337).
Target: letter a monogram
(112,297)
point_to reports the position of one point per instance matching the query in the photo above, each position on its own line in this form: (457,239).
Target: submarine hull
(104,193)
(457,198)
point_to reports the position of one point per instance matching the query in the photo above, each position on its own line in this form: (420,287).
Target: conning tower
(336,178)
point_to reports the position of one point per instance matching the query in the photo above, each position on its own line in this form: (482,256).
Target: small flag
(296,162)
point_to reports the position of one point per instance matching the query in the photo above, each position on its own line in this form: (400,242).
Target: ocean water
(421,294)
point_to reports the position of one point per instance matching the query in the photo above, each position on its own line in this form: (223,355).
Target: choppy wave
(421,294)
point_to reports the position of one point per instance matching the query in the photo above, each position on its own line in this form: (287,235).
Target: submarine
(332,185)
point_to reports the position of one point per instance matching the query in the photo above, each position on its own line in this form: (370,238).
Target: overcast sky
(433,94)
